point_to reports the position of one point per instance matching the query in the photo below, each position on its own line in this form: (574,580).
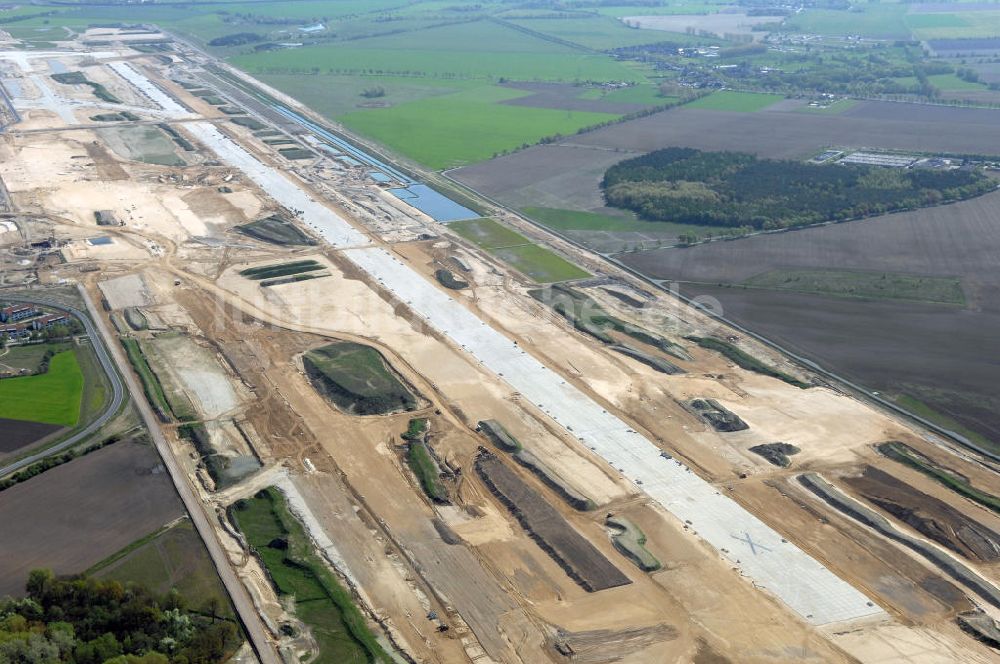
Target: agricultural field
(920,351)
(169,558)
(877,21)
(475,50)
(465,127)
(739,102)
(591,31)
(865,285)
(567,175)
(78,514)
(648,95)
(20,433)
(425,83)
(357,379)
(609,233)
(536,262)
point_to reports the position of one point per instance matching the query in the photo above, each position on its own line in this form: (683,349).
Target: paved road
(253,625)
(118,390)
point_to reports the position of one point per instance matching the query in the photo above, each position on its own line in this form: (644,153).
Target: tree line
(734,190)
(90,621)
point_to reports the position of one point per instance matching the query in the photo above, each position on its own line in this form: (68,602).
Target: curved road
(117,388)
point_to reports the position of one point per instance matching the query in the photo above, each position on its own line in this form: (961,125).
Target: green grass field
(171,558)
(27,357)
(574,220)
(321,601)
(53,397)
(487,233)
(728,100)
(936,20)
(479,50)
(150,384)
(465,127)
(595,31)
(535,262)
(540,264)
(864,285)
(948,82)
(336,95)
(880,21)
(957,25)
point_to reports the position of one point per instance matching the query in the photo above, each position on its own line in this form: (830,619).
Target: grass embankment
(423,466)
(416,428)
(631,541)
(589,317)
(746,361)
(54,397)
(124,116)
(275,230)
(863,285)
(281,269)
(96,387)
(448,279)
(79,78)
(418,457)
(249,123)
(321,602)
(150,383)
(357,379)
(907,456)
(536,262)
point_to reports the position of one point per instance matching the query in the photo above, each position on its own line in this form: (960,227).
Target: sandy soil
(197,371)
(126,291)
(498,591)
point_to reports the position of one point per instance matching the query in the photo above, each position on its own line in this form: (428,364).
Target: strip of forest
(739,190)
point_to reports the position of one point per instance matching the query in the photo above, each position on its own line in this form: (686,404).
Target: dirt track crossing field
(81,512)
